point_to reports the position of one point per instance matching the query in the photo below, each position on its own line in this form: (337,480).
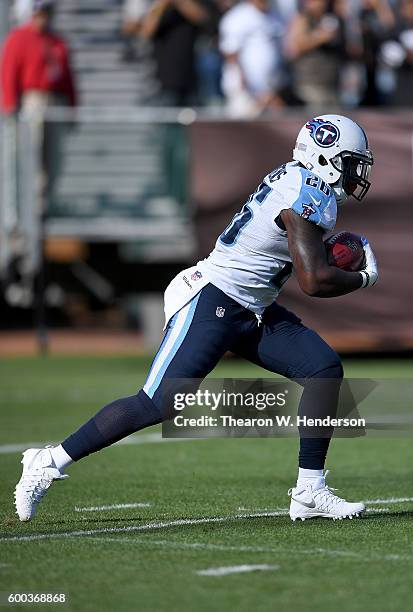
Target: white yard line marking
(150,438)
(236,569)
(113,507)
(375,510)
(132,528)
(183,545)
(201,545)
(390,500)
(148,527)
(261,549)
(174,545)
(8,449)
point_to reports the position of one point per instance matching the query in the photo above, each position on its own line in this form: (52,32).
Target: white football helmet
(336,149)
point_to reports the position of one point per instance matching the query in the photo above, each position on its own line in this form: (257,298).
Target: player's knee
(159,407)
(331,367)
(151,409)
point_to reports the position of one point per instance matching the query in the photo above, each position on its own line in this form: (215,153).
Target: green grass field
(147,558)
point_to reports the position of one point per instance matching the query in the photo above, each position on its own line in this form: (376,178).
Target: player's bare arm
(308,254)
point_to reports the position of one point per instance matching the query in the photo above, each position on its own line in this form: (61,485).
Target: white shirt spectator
(252,35)
(134,10)
(22,11)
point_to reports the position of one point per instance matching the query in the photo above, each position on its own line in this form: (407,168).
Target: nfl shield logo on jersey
(220,311)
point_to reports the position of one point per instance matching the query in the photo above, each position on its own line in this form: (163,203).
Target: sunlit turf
(356,565)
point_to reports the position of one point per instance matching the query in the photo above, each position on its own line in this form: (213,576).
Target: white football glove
(369,271)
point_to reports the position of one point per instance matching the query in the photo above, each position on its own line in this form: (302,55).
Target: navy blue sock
(313,453)
(114,422)
(319,400)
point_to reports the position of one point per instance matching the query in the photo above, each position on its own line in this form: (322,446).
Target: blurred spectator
(376,21)
(316,47)
(398,54)
(174,27)
(35,64)
(208,57)
(286,9)
(352,73)
(132,18)
(250,37)
(22,11)
(35,74)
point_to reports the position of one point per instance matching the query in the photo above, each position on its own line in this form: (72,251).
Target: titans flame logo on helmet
(324,133)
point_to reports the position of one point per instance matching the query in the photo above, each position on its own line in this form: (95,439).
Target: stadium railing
(114,174)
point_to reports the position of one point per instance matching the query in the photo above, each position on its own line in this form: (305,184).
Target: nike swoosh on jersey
(316,202)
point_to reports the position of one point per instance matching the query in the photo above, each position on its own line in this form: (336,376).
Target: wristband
(365,279)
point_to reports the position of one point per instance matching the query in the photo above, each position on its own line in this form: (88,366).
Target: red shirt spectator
(34,59)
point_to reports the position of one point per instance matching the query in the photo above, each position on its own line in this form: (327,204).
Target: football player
(228,303)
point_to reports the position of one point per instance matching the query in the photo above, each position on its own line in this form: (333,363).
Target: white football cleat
(311,501)
(38,474)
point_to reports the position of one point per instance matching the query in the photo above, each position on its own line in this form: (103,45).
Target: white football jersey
(251,260)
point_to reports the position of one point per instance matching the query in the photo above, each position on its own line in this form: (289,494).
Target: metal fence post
(31,226)
(8,199)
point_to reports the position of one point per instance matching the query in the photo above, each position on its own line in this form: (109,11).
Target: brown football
(345,251)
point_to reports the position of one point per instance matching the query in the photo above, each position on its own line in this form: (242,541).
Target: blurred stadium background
(115,175)
(144,172)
